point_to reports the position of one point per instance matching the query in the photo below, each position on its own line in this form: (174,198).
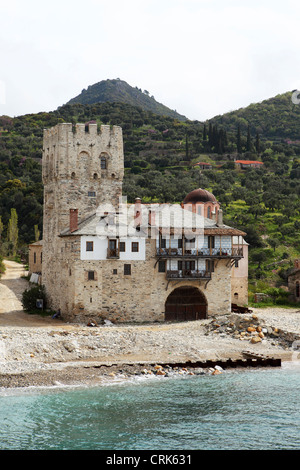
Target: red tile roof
(245,162)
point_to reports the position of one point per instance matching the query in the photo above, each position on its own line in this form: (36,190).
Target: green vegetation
(119,91)
(161,153)
(31,298)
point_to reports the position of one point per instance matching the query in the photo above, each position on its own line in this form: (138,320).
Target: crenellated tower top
(83,167)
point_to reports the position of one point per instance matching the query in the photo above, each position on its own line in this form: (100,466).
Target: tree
(238,140)
(204,133)
(187,153)
(13,231)
(257,143)
(249,143)
(273,242)
(36,233)
(1,228)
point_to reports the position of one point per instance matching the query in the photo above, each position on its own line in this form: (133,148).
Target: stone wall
(74,178)
(138,297)
(35,253)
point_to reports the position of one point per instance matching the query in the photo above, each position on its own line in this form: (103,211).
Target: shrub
(30,297)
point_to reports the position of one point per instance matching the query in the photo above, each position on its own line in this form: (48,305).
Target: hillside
(161,155)
(274,118)
(118,91)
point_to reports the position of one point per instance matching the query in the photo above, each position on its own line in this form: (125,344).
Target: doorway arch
(185,304)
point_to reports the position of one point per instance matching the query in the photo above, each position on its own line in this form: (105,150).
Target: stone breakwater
(93,375)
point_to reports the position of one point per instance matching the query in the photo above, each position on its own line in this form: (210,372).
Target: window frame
(127,269)
(122,247)
(103,162)
(162,266)
(89,246)
(135,247)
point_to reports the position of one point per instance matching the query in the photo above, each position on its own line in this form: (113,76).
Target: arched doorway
(185,304)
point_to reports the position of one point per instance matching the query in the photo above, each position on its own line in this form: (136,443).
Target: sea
(245,409)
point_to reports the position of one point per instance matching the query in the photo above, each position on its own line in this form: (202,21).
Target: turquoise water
(246,409)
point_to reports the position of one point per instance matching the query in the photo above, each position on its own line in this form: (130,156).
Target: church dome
(199,195)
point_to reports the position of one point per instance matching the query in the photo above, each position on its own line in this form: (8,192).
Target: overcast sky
(200,57)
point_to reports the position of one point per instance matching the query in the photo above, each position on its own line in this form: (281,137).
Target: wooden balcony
(112,254)
(188,274)
(229,253)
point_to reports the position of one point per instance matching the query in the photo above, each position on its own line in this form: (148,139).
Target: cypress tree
(238,140)
(249,143)
(257,143)
(13,231)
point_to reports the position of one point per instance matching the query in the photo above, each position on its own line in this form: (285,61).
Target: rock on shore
(58,352)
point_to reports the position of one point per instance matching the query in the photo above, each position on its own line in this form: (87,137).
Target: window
(34,257)
(211,241)
(127,269)
(103,163)
(179,265)
(91,275)
(122,247)
(210,265)
(91,194)
(179,242)
(89,246)
(135,247)
(163,243)
(162,267)
(115,271)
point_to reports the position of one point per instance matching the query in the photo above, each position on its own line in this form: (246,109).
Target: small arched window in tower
(95,176)
(208,212)
(103,163)
(73,175)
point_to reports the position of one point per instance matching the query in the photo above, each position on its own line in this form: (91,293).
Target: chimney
(220,218)
(137,212)
(73,220)
(151,220)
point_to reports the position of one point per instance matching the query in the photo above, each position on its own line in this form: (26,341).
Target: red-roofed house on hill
(243,164)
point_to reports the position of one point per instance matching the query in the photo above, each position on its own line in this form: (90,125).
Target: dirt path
(12,285)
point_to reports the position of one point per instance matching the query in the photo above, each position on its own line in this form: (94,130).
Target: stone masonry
(83,169)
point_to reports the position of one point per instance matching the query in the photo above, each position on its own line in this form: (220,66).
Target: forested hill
(274,118)
(161,155)
(118,91)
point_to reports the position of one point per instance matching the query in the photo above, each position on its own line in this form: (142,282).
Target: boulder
(255,340)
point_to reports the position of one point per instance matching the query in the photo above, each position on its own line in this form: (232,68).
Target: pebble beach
(41,351)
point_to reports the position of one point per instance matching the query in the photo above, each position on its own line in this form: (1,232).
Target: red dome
(199,195)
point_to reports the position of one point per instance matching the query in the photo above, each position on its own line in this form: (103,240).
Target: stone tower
(83,169)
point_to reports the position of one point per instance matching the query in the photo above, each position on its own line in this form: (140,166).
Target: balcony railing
(188,274)
(112,253)
(201,253)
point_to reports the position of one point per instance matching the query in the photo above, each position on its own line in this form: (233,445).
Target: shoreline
(56,353)
(97,374)
(41,351)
